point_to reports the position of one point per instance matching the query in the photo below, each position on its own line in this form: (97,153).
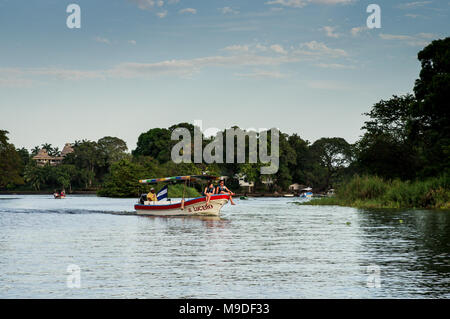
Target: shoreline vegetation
(402,159)
(375,192)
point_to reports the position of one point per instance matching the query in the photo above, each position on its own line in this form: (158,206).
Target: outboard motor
(143,199)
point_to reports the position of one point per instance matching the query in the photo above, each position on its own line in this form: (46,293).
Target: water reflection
(411,246)
(208,221)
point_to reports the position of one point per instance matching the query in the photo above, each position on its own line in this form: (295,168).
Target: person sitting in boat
(209,190)
(222,189)
(151,197)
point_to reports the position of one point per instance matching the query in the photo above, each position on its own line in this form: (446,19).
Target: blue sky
(310,67)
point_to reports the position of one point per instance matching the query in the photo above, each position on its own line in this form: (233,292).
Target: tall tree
(431,113)
(333,154)
(86,155)
(155,143)
(300,167)
(387,147)
(113,148)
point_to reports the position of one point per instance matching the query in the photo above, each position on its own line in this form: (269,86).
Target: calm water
(261,248)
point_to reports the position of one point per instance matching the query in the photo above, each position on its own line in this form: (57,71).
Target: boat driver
(151,197)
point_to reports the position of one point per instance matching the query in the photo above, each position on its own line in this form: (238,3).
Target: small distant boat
(59,196)
(306,192)
(244,197)
(191,207)
(288,195)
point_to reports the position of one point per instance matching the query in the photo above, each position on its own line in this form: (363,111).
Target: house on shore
(43,158)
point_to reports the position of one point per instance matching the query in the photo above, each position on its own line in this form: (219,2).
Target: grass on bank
(374,192)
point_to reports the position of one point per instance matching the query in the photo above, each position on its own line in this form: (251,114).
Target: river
(260,248)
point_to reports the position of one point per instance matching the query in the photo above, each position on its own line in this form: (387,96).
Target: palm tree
(35,150)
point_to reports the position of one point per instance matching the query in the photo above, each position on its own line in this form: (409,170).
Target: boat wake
(64,211)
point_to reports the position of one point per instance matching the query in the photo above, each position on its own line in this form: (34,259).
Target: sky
(310,67)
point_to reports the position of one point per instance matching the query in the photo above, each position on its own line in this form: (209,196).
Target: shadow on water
(209,221)
(412,242)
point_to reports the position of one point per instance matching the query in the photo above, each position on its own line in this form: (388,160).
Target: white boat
(190,207)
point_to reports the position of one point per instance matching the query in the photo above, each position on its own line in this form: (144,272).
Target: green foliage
(409,136)
(155,143)
(333,155)
(96,158)
(123,180)
(56,177)
(10,163)
(176,191)
(374,192)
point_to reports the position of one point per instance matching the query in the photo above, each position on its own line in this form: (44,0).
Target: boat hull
(193,207)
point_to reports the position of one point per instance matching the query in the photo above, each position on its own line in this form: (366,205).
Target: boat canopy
(179,179)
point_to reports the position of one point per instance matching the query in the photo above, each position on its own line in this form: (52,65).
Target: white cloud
(334,66)
(238,48)
(238,56)
(162,14)
(153,5)
(314,48)
(261,74)
(146,4)
(278,49)
(330,32)
(395,37)
(413,5)
(188,10)
(302,3)
(102,40)
(421,39)
(133,42)
(228,10)
(357,30)
(426,35)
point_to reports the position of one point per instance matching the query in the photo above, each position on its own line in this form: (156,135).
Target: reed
(374,192)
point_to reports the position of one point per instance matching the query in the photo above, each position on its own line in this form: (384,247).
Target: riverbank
(374,192)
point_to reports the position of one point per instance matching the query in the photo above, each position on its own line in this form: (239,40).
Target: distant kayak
(244,197)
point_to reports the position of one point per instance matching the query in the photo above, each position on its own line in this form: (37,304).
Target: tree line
(406,137)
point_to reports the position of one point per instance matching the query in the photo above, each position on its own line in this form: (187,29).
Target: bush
(374,192)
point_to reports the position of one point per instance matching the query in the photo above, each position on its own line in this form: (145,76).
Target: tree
(333,154)
(35,151)
(387,148)
(35,175)
(123,180)
(24,155)
(431,113)
(283,177)
(86,155)
(113,149)
(52,151)
(10,163)
(301,165)
(155,143)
